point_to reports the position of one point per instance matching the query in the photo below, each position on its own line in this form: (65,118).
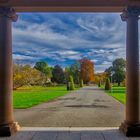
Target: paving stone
(45,136)
(23,135)
(114,134)
(68,136)
(91,135)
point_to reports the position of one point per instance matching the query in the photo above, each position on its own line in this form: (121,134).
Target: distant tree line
(82,71)
(114,74)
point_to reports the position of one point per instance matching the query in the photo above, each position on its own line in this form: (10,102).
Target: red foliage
(86,70)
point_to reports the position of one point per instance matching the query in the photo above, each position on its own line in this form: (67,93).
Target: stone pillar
(7,125)
(131,125)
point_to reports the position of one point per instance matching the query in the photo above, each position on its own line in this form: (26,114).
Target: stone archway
(131,12)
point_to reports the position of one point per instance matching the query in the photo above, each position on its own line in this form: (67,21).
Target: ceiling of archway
(69,5)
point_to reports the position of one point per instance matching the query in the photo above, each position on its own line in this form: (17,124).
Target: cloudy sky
(62,38)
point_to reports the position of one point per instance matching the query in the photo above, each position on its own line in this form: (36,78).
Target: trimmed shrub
(81,83)
(123,83)
(107,84)
(99,83)
(72,87)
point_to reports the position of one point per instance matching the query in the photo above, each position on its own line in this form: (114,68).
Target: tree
(124,83)
(81,83)
(58,75)
(86,70)
(107,84)
(36,77)
(44,68)
(108,72)
(67,73)
(119,70)
(100,77)
(72,86)
(74,71)
(41,66)
(20,77)
(26,75)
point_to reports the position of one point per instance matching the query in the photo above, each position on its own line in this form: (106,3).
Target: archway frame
(130,13)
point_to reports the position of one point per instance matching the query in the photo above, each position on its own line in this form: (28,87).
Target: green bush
(99,83)
(123,83)
(72,86)
(81,83)
(107,84)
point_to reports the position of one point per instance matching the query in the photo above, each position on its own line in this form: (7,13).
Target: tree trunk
(118,84)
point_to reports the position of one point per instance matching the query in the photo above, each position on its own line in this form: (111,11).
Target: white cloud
(68,52)
(94,60)
(22,57)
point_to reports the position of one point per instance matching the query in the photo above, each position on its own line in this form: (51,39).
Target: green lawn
(118,93)
(26,97)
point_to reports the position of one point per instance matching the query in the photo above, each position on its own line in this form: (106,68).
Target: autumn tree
(18,76)
(100,77)
(86,70)
(26,75)
(36,77)
(124,82)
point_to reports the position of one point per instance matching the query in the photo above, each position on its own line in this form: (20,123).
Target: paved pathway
(69,134)
(87,107)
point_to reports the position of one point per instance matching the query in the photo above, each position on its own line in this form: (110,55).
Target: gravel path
(87,107)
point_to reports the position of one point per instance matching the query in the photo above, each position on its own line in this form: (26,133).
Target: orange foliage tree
(86,70)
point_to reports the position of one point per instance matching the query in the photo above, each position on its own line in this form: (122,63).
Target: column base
(130,130)
(9,129)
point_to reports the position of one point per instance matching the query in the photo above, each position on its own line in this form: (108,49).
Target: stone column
(7,125)
(131,125)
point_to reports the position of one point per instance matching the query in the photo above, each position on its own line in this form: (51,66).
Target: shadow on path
(87,106)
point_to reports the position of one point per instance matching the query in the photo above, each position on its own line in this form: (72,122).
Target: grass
(119,97)
(29,96)
(118,93)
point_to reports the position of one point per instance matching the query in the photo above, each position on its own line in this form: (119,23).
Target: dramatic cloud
(62,38)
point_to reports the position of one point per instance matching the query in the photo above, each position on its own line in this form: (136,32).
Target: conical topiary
(99,83)
(81,83)
(107,84)
(72,87)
